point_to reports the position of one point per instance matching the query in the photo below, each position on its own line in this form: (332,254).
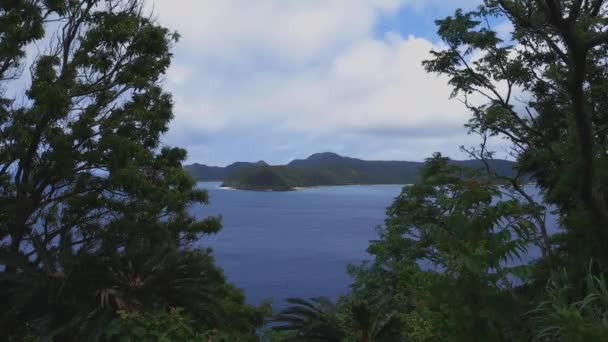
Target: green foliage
(21,23)
(447,259)
(93,210)
(265,178)
(96,233)
(443,257)
(351,319)
(555,55)
(165,326)
(326,169)
(310,320)
(85,297)
(172,325)
(271,335)
(560,318)
(369,321)
(447,253)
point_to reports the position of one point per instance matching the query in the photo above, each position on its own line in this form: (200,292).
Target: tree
(367,322)
(311,320)
(82,154)
(541,90)
(163,326)
(446,257)
(449,255)
(93,287)
(350,319)
(90,200)
(20,24)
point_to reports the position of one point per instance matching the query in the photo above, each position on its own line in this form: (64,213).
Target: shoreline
(300,188)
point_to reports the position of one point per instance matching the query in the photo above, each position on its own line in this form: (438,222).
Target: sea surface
(298,243)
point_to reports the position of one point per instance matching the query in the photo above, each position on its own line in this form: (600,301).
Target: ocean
(296,243)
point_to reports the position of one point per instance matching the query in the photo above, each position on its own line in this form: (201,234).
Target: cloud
(284,31)
(313,70)
(374,83)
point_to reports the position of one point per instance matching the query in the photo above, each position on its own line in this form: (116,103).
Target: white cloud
(504,30)
(314,67)
(374,83)
(287,31)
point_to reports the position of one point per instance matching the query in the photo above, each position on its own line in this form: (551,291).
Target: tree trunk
(590,190)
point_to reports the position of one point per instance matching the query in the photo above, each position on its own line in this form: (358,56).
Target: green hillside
(323,169)
(275,178)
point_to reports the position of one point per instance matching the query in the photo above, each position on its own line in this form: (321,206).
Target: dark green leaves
(447,254)
(93,209)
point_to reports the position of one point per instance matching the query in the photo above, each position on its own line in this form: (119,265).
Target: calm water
(298,243)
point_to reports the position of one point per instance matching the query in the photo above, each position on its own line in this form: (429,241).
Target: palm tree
(83,296)
(319,319)
(311,320)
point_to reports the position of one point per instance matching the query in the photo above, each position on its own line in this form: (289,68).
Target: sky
(276,80)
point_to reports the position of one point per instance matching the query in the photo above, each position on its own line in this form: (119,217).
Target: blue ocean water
(297,243)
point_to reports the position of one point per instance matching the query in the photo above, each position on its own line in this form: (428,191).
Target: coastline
(301,188)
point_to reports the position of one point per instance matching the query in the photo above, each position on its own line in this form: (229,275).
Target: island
(322,169)
(265,178)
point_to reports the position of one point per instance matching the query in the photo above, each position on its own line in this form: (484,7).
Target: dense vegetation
(324,169)
(201,172)
(96,236)
(94,229)
(447,265)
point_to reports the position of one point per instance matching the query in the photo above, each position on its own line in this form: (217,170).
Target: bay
(276,245)
(297,243)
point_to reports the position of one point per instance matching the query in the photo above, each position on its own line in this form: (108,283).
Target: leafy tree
(94,287)
(542,89)
(21,22)
(82,155)
(93,209)
(448,256)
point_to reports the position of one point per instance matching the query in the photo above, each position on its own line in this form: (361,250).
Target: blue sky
(276,80)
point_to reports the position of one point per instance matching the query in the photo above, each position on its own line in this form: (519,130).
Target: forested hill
(321,169)
(202,172)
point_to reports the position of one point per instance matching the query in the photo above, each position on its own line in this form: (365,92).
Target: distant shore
(299,188)
(324,169)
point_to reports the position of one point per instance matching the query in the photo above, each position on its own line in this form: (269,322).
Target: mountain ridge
(326,168)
